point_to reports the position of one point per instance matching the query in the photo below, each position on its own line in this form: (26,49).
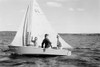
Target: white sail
(41,26)
(21,37)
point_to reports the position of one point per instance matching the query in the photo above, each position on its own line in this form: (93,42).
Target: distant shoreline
(88,34)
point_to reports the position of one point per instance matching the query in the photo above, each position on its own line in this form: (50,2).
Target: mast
(24,36)
(27,26)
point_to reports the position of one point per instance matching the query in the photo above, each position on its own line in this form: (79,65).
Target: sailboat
(37,25)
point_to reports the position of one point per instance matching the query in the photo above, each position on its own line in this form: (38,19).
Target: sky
(65,16)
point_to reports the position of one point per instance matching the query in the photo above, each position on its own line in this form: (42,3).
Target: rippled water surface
(80,58)
(85,54)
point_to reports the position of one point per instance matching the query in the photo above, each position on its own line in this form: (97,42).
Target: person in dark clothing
(46,42)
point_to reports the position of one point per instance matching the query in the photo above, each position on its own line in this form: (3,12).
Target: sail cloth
(39,26)
(21,38)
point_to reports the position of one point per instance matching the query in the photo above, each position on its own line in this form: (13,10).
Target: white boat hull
(27,50)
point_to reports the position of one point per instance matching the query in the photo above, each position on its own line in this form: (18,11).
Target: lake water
(85,54)
(80,58)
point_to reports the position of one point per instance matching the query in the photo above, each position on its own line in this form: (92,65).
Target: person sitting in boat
(58,43)
(46,42)
(34,41)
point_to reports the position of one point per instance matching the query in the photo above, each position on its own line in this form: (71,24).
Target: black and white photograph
(49,33)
